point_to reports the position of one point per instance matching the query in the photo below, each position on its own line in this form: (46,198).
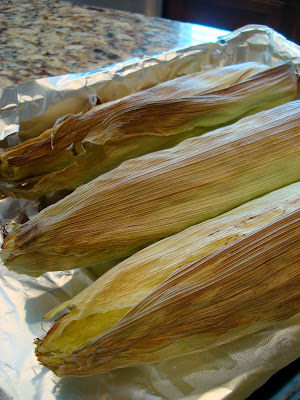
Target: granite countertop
(41,38)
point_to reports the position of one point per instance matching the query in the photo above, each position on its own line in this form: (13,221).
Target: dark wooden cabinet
(281,15)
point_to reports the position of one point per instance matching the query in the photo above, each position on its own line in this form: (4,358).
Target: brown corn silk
(160,194)
(231,292)
(89,144)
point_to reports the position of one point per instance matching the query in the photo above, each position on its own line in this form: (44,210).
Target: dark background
(281,15)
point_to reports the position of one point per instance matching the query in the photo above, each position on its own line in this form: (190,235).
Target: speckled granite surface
(41,38)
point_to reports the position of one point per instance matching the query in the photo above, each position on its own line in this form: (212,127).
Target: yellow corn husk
(87,145)
(119,289)
(160,194)
(231,292)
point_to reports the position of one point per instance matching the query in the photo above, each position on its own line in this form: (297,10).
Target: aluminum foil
(230,371)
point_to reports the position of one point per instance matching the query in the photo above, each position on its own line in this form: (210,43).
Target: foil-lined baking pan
(231,371)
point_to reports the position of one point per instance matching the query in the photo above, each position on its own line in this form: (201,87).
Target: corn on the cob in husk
(122,287)
(162,193)
(87,145)
(234,291)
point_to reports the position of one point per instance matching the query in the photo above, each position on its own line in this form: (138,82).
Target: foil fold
(232,371)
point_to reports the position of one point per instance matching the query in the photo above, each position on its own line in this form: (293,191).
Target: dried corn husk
(122,287)
(162,193)
(234,291)
(87,145)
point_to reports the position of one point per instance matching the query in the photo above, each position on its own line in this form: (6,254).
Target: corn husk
(160,194)
(127,283)
(89,144)
(123,286)
(234,291)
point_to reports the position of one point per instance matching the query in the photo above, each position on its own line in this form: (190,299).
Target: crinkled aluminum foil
(231,371)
